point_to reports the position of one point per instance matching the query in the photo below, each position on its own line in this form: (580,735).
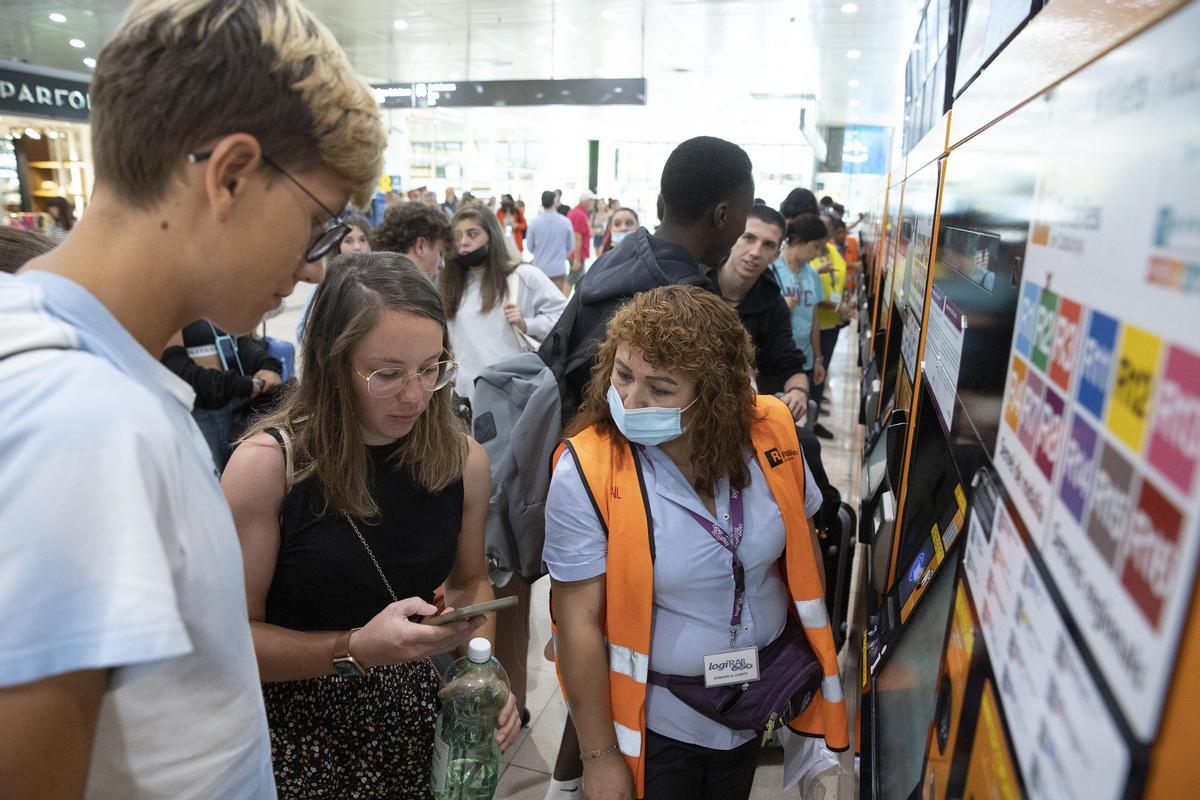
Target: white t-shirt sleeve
(542,302)
(85,579)
(576,548)
(812,493)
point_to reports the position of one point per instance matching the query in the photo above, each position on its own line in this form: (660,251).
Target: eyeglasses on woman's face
(390,381)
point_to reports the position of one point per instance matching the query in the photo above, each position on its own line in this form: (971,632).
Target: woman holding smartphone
(353,503)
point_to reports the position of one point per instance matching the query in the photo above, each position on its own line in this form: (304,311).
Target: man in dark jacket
(707,190)
(744,281)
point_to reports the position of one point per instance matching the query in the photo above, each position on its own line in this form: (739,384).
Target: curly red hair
(690,332)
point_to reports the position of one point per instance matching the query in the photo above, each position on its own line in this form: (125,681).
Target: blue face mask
(651,426)
(619,236)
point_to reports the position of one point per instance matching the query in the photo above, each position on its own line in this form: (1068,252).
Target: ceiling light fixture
(77,43)
(400,24)
(57,17)
(32,134)
(853,53)
(853,84)
(849,8)
(89,62)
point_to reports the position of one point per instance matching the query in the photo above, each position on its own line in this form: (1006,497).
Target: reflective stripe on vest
(629,663)
(629,741)
(612,476)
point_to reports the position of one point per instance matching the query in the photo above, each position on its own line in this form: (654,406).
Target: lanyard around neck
(730,540)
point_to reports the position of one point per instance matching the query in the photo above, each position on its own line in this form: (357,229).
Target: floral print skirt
(369,737)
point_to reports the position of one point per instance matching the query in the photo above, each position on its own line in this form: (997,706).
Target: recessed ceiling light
(77,43)
(608,13)
(908,98)
(853,84)
(57,17)
(854,104)
(89,62)
(32,134)
(849,8)
(853,53)
(400,24)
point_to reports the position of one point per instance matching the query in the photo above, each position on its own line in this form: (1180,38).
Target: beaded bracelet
(595,754)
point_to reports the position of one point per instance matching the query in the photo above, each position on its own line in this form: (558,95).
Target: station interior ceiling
(743,70)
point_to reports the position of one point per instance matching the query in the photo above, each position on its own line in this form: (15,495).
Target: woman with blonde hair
(353,502)
(688,598)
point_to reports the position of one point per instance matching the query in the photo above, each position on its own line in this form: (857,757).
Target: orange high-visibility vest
(614,482)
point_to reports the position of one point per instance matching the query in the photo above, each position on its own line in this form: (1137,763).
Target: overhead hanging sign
(1100,439)
(484,94)
(42,92)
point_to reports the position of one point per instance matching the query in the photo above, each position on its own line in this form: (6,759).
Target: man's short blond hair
(179,73)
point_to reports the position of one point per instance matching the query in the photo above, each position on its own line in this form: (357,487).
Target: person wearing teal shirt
(801,287)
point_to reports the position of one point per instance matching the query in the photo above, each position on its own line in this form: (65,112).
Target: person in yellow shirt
(831,266)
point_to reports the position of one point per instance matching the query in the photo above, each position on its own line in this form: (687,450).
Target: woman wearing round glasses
(353,503)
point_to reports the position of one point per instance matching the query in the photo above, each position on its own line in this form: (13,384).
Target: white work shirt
(118,551)
(693,576)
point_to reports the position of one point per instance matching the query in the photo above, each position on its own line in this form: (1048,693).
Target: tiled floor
(528,764)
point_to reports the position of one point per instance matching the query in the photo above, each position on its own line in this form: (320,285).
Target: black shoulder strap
(284,441)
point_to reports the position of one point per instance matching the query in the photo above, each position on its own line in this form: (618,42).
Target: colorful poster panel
(1100,440)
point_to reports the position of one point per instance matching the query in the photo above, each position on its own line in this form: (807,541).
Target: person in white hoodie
(496,307)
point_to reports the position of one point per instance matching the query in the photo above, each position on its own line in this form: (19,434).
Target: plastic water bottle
(466,757)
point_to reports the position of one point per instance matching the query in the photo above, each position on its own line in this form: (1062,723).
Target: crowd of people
(215,561)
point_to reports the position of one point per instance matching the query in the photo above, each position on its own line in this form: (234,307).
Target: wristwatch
(344,663)
(259,383)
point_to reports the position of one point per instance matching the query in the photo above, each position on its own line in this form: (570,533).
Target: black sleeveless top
(325,579)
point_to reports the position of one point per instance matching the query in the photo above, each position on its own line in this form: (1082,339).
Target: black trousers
(679,771)
(829,339)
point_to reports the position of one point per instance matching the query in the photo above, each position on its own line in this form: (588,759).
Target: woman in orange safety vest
(688,599)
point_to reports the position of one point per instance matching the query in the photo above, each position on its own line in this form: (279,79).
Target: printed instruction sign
(943,353)
(1067,744)
(1099,442)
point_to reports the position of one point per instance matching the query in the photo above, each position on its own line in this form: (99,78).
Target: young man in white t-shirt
(228,138)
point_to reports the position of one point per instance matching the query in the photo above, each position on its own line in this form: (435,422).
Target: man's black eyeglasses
(330,236)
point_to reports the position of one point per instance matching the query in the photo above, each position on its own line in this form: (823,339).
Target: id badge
(731,666)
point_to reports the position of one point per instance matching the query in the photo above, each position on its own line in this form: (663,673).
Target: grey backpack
(517,417)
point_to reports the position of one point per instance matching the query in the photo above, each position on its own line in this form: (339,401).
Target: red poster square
(1175,433)
(1151,557)
(1067,335)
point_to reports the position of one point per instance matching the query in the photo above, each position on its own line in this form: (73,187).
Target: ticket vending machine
(1052,371)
